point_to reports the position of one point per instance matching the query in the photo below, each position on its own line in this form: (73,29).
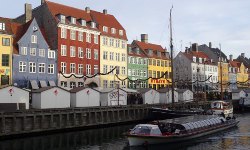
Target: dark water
(111,138)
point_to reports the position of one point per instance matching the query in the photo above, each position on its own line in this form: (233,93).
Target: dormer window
(137,51)
(159,54)
(83,22)
(93,25)
(105,29)
(113,30)
(129,49)
(150,52)
(2,26)
(73,20)
(200,60)
(194,59)
(121,32)
(62,18)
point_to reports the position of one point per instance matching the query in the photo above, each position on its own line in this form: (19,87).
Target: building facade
(113,50)
(33,60)
(159,68)
(137,68)
(5,52)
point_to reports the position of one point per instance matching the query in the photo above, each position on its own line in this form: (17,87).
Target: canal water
(112,138)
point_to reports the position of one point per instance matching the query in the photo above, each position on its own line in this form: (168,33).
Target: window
(51,54)
(121,32)
(63,67)
(33,39)
(23,50)
(63,83)
(88,69)
(113,30)
(111,42)
(96,69)
(73,20)
(32,66)
(80,68)
(117,44)
(105,29)
(80,84)
(80,52)
(72,51)
(83,22)
(117,69)
(63,50)
(62,19)
(72,85)
(88,37)
(96,54)
(96,39)
(117,56)
(111,68)
(154,74)
(93,25)
(22,66)
(33,51)
(111,55)
(105,68)
(158,63)
(80,36)
(105,55)
(2,26)
(5,59)
(105,41)
(111,84)
(145,61)
(42,52)
(41,68)
(123,57)
(105,83)
(6,41)
(145,73)
(123,44)
(51,69)
(133,72)
(72,68)
(63,33)
(88,53)
(123,70)
(72,34)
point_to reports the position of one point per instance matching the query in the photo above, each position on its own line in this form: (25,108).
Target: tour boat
(222,107)
(178,129)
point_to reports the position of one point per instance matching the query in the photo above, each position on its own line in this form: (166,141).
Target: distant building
(34,63)
(137,68)
(241,73)
(5,51)
(232,73)
(246,61)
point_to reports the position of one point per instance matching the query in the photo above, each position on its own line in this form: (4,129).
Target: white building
(84,97)
(195,65)
(185,95)
(150,96)
(50,97)
(14,97)
(166,96)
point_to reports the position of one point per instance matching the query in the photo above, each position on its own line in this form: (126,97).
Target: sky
(222,22)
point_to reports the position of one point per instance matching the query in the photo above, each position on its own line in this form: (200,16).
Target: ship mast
(171,49)
(221,87)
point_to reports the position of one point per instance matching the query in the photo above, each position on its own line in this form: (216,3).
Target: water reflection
(112,139)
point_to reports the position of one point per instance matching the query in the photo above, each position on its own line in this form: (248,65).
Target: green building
(137,68)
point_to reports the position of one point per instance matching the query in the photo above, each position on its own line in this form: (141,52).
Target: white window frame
(123,70)
(63,50)
(73,34)
(105,55)
(88,53)
(105,68)
(123,57)
(96,69)
(41,68)
(51,69)
(64,33)
(88,37)
(80,68)
(72,68)
(72,51)
(80,52)
(22,66)
(51,54)
(105,29)
(32,51)
(88,69)
(80,36)
(105,83)
(96,39)
(123,44)
(33,39)
(63,67)
(42,52)
(113,30)
(121,32)
(33,69)
(111,56)
(96,54)
(23,50)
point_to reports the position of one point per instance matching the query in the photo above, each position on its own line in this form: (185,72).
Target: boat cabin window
(146,130)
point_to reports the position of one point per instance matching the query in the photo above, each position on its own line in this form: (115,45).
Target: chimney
(243,55)
(210,44)
(144,38)
(186,49)
(195,47)
(87,9)
(42,2)
(28,12)
(105,11)
(231,57)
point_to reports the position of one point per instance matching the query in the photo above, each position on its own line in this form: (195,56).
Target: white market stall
(50,97)
(150,96)
(84,97)
(238,94)
(13,98)
(166,96)
(185,95)
(109,96)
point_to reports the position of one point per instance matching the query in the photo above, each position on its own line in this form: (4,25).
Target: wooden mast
(171,48)
(221,87)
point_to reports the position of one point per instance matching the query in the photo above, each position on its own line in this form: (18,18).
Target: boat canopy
(146,129)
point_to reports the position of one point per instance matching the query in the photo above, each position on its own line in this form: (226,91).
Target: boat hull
(137,140)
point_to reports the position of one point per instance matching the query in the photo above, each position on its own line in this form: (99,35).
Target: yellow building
(158,63)
(242,75)
(5,51)
(225,76)
(113,50)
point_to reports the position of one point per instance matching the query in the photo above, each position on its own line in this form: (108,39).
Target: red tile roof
(134,53)
(235,64)
(149,46)
(7,22)
(109,21)
(198,54)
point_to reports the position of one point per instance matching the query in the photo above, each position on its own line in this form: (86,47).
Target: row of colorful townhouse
(55,44)
(212,68)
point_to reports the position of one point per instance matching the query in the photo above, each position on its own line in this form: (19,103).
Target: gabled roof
(235,64)
(244,60)
(154,47)
(47,88)
(199,54)
(77,89)
(134,53)
(215,51)
(144,90)
(7,22)
(109,21)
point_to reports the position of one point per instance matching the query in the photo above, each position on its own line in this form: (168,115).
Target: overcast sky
(194,21)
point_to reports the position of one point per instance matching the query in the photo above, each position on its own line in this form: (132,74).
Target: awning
(52,83)
(34,84)
(43,83)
